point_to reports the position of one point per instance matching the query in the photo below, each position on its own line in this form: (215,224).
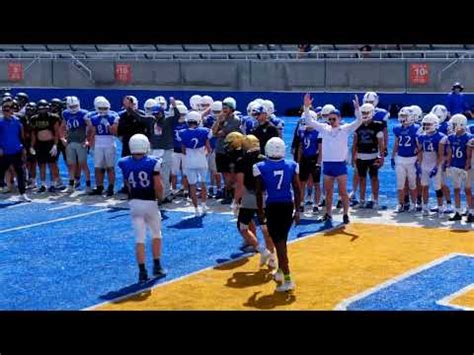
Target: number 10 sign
(419,74)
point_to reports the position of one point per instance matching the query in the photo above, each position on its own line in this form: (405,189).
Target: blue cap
(318,109)
(157,109)
(259,109)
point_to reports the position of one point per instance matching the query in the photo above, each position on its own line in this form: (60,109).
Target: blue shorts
(334,168)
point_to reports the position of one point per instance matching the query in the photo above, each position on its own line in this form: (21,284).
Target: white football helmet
(193,117)
(195,102)
(459,122)
(102,105)
(149,105)
(441,111)
(179,103)
(417,113)
(405,116)
(98,98)
(139,144)
(249,107)
(371,97)
(182,109)
(73,104)
(206,101)
(216,108)
(430,123)
(367,110)
(275,148)
(312,114)
(269,106)
(162,101)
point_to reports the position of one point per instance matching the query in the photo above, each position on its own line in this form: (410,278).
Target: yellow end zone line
(336,227)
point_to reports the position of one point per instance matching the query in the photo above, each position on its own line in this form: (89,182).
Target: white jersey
(335,140)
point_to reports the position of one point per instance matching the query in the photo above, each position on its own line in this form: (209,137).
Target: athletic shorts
(308,167)
(225,163)
(279,220)
(145,213)
(76,153)
(367,165)
(247,215)
(211,161)
(334,168)
(437,179)
(459,177)
(195,175)
(177,163)
(405,169)
(42,152)
(104,157)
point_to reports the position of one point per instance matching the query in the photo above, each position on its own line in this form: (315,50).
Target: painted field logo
(430,287)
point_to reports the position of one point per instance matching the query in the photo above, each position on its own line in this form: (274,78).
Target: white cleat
(286,286)
(265,257)
(24,198)
(278,276)
(399,209)
(204,208)
(70,189)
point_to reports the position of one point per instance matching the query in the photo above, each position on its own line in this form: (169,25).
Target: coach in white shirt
(335,151)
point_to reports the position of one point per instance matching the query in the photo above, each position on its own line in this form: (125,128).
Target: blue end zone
(81,262)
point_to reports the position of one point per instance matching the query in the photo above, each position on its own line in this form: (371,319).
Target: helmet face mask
(459,123)
(440,111)
(430,123)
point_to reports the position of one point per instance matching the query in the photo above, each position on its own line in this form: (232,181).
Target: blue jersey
(309,142)
(277,122)
(381,115)
(194,138)
(10,136)
(75,120)
(406,139)
(102,123)
(248,124)
(277,177)
(139,173)
(430,143)
(178,126)
(208,122)
(458,146)
(443,128)
(470,129)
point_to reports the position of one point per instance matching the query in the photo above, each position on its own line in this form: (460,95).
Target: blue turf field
(81,255)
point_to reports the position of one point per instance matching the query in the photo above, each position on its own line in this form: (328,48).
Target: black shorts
(308,167)
(279,220)
(225,163)
(364,165)
(246,215)
(42,152)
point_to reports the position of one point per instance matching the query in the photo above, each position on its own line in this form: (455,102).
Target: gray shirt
(161,131)
(231,124)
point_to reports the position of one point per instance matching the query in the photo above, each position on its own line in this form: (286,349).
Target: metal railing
(244,55)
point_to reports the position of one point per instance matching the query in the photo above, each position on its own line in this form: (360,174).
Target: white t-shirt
(335,140)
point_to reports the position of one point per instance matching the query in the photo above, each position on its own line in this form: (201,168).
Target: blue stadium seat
(58,47)
(11,47)
(225,47)
(34,47)
(84,47)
